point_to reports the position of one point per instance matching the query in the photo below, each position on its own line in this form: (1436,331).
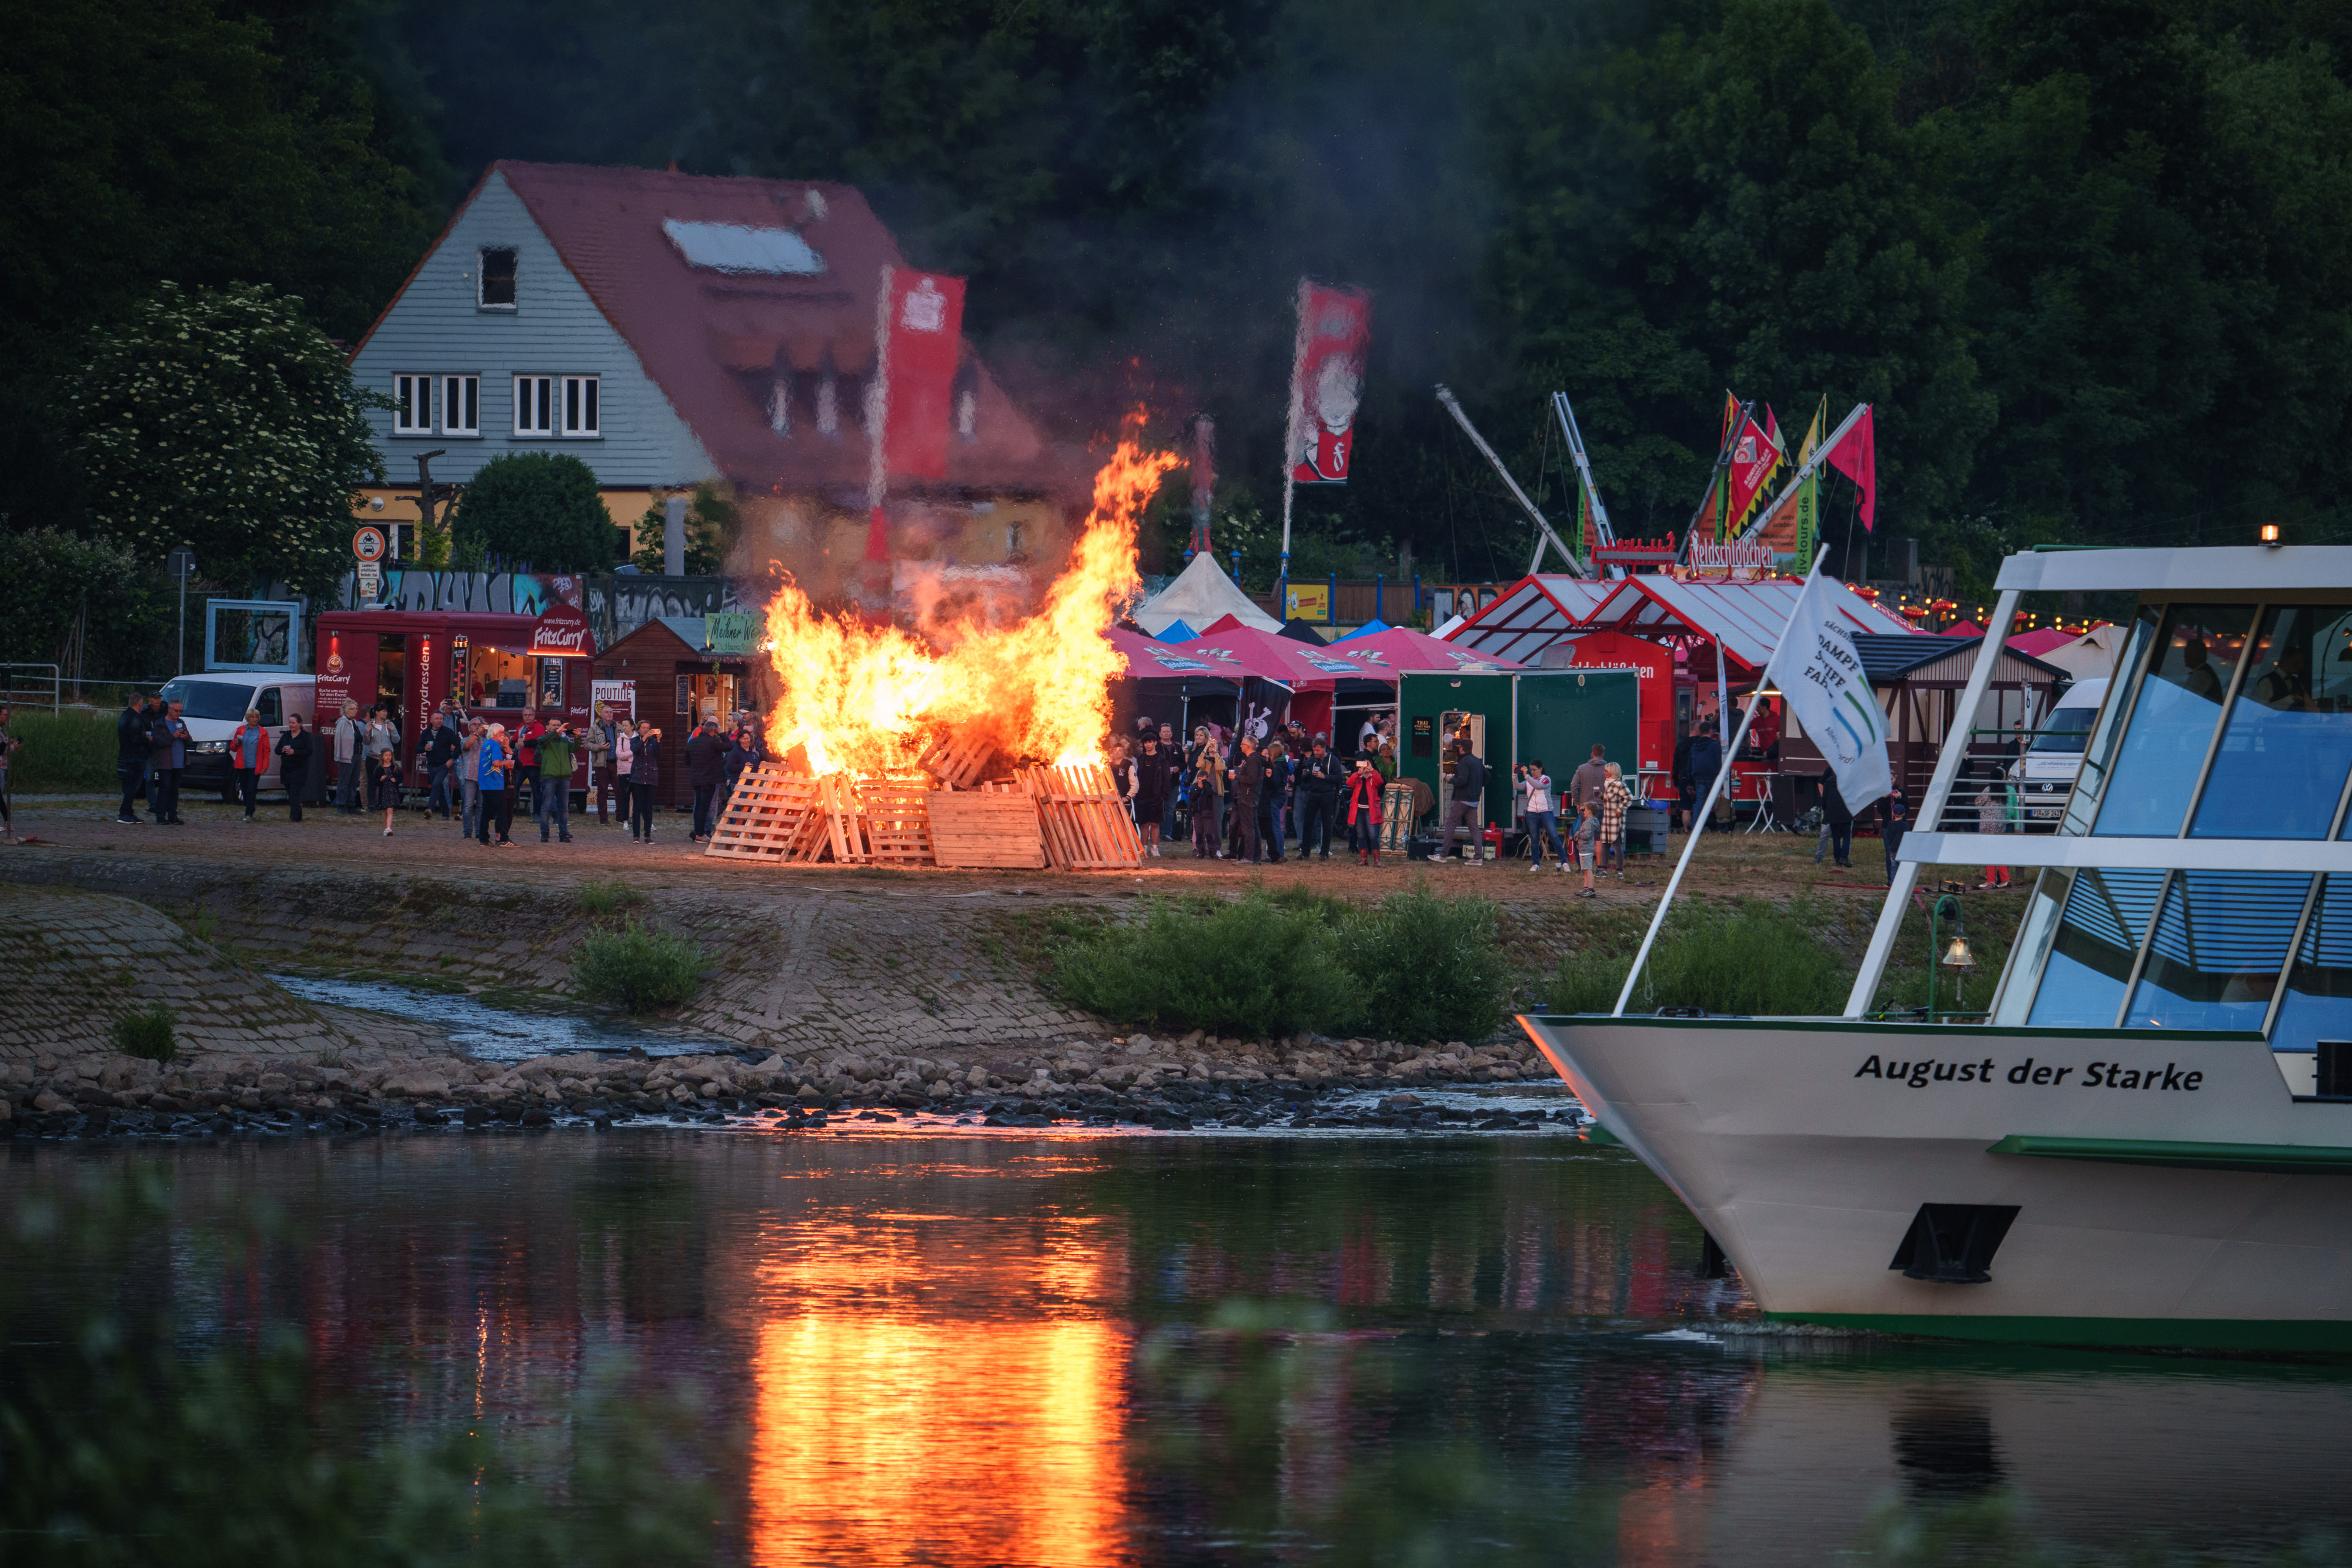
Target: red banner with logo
(1755,456)
(919,339)
(1326,382)
(561,631)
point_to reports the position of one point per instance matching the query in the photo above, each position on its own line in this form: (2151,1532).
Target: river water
(1086,1348)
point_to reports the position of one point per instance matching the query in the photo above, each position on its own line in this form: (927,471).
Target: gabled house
(669,329)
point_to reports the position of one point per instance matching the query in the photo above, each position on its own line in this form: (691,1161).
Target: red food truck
(507,669)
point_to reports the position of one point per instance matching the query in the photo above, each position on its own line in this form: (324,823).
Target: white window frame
(580,408)
(461,393)
(482,274)
(534,407)
(411,403)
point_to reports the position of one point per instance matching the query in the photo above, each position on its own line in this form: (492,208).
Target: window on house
(497,275)
(461,405)
(412,405)
(580,414)
(779,405)
(534,405)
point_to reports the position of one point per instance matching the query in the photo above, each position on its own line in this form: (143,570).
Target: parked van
(2046,781)
(214,705)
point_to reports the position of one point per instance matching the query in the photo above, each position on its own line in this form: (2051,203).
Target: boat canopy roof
(2227,571)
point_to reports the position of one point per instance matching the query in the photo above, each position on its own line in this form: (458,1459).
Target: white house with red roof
(669,329)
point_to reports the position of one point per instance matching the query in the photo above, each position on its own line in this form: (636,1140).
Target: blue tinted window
(2318,1004)
(2288,745)
(2220,944)
(2098,939)
(2172,724)
(2099,753)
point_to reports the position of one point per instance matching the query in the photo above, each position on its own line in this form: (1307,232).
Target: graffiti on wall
(615,605)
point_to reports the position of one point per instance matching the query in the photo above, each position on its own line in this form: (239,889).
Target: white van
(214,705)
(2046,780)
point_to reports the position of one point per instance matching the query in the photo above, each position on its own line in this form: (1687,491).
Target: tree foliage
(221,419)
(541,509)
(711,523)
(53,584)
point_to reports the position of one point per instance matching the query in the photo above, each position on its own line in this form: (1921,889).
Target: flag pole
(1707,810)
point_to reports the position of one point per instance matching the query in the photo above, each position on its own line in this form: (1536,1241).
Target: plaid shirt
(1616,800)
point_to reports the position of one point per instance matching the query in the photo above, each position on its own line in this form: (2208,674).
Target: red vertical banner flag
(1755,457)
(919,336)
(1856,458)
(1326,382)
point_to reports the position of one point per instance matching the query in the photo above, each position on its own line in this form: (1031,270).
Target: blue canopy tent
(1177,631)
(1368,629)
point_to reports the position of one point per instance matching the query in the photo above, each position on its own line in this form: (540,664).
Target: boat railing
(1992,781)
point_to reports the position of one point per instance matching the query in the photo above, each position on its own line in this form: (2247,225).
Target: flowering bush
(222,420)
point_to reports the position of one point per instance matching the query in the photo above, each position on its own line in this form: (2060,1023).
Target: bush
(636,968)
(147,1034)
(71,752)
(541,509)
(1414,966)
(602,899)
(1759,960)
(1428,967)
(1251,966)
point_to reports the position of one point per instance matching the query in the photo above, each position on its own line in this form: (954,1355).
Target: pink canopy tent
(1382,653)
(1150,659)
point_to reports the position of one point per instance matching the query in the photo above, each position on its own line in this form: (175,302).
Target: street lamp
(1954,956)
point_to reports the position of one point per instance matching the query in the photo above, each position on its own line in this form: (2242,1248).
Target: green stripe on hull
(2283,1159)
(2334,1336)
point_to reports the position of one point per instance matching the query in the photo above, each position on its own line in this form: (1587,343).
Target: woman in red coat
(248,754)
(1364,787)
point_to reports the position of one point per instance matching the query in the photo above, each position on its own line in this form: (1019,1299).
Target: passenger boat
(2149,1140)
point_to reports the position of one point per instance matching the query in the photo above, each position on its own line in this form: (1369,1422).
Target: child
(383,786)
(1588,834)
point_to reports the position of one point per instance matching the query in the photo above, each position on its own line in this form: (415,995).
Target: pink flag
(1856,458)
(918,335)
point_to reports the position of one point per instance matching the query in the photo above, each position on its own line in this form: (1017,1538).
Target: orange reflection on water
(894,1429)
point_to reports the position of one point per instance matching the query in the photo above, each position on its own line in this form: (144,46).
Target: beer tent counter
(505,669)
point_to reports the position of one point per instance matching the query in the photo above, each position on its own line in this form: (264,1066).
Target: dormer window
(497,279)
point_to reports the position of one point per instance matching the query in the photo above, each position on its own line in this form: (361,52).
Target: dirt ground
(1768,865)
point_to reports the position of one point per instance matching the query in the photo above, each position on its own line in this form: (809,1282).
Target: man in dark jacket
(1836,817)
(440,757)
(1468,808)
(167,754)
(130,746)
(297,750)
(1248,779)
(1705,762)
(706,765)
(1318,793)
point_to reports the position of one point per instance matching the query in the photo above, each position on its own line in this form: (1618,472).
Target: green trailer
(1557,715)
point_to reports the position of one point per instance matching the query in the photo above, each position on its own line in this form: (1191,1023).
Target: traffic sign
(368,545)
(370,580)
(181,563)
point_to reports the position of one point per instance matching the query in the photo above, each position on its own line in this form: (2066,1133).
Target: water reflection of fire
(890,1431)
(870,698)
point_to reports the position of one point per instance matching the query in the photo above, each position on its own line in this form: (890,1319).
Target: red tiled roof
(713,341)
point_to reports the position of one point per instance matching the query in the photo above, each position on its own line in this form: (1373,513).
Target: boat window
(2032,949)
(2319,1002)
(2065,730)
(2172,723)
(2099,756)
(2218,946)
(2288,745)
(2095,945)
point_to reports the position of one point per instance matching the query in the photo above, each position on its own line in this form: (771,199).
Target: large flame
(868,699)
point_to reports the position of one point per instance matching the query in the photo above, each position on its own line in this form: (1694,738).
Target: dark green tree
(150,139)
(54,585)
(222,418)
(539,509)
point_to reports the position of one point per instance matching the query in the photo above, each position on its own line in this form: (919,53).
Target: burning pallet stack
(946,814)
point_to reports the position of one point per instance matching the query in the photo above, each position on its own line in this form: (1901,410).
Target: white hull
(1808,1171)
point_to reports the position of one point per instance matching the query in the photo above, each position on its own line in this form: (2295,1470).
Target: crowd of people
(1250,794)
(481,772)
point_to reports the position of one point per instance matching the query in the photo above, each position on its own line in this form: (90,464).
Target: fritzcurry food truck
(505,669)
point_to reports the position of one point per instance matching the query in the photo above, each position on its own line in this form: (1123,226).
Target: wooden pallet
(986,829)
(1085,821)
(894,816)
(770,817)
(958,760)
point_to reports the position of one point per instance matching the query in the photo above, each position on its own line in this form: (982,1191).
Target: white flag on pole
(1817,670)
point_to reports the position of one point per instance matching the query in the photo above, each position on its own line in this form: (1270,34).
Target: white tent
(2091,657)
(1202,594)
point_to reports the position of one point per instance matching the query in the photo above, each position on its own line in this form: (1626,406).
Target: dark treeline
(2092,258)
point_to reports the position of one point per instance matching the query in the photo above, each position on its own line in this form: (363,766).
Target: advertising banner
(1308,601)
(620,697)
(729,633)
(1326,382)
(918,334)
